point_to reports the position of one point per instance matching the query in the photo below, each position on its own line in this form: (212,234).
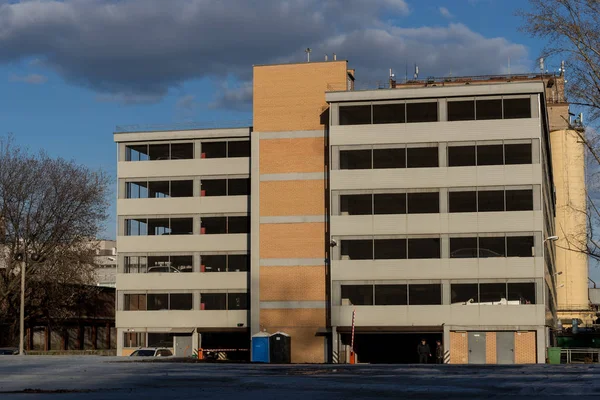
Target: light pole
(22,259)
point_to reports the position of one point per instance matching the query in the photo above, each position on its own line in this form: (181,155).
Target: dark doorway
(391,348)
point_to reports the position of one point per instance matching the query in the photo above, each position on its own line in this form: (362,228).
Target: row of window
(185,226)
(185,188)
(506,293)
(429,202)
(427,111)
(185,150)
(428,157)
(184,301)
(430,248)
(185,263)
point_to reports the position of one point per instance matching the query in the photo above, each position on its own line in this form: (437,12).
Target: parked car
(9,351)
(152,352)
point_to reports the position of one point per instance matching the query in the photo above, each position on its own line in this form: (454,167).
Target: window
(519,200)
(423,203)
(423,295)
(136,190)
(464,293)
(492,246)
(160,339)
(422,157)
(134,302)
(182,263)
(180,301)
(213,301)
(490,154)
(237,301)
(461,110)
(136,152)
(519,246)
(158,189)
(214,149)
(389,113)
(182,226)
(158,226)
(238,148)
(463,247)
(361,249)
(357,204)
(213,263)
(159,152)
(424,248)
(238,187)
(355,159)
(158,301)
(213,225)
(462,202)
(459,156)
(517,108)
(389,158)
(524,293)
(135,265)
(182,188)
(182,151)
(490,200)
(489,109)
(359,295)
(238,225)
(492,292)
(213,187)
(390,249)
(159,264)
(422,112)
(238,262)
(355,115)
(390,203)
(136,227)
(391,295)
(134,339)
(517,154)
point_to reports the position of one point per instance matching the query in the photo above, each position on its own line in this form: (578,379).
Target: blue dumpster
(260,347)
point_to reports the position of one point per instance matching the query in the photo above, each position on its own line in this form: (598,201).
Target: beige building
(106,263)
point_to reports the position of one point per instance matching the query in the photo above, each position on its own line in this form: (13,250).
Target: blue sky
(70,71)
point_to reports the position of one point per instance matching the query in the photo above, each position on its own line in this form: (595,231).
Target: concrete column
(541,344)
(446,343)
(120,333)
(335,343)
(195,341)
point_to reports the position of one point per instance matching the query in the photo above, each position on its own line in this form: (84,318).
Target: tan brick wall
(281,198)
(292,318)
(490,348)
(292,283)
(278,156)
(459,348)
(305,240)
(292,96)
(306,347)
(525,348)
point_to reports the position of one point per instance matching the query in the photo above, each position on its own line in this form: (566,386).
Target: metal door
(183,346)
(476,347)
(505,347)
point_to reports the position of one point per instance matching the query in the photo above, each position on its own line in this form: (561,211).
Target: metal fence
(579,355)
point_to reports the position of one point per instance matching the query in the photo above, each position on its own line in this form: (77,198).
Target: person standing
(439,352)
(424,352)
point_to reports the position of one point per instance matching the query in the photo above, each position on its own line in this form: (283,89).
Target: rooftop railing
(183,126)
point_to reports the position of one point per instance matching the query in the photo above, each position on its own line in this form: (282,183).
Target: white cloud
(445,12)
(33,79)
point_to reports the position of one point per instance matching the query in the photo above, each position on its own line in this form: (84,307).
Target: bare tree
(54,208)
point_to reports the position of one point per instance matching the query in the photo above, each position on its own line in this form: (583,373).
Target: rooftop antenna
(326,58)
(562,68)
(307,51)
(416,71)
(334,57)
(542,66)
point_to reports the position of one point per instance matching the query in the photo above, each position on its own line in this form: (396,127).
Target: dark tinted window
(490,200)
(522,292)
(213,301)
(459,156)
(355,159)
(462,202)
(136,153)
(489,109)
(492,292)
(359,295)
(158,301)
(519,200)
(389,158)
(358,249)
(213,187)
(391,295)
(182,226)
(517,154)
(238,187)
(461,110)
(492,247)
(388,113)
(424,248)
(159,151)
(390,249)
(182,188)
(213,225)
(238,149)
(238,225)
(182,263)
(158,189)
(463,247)
(423,203)
(237,301)
(355,115)
(519,246)
(357,204)
(462,293)
(424,295)
(182,151)
(214,150)
(422,157)
(490,154)
(422,112)
(238,262)
(213,263)
(517,108)
(390,203)
(180,301)
(158,226)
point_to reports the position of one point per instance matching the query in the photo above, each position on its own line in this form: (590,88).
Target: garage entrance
(393,347)
(235,344)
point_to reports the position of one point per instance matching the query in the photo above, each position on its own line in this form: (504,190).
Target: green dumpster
(554,355)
